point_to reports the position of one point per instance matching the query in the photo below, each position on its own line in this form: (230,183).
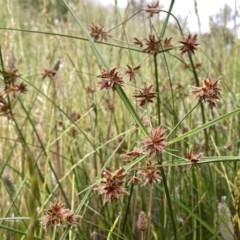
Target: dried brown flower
(130,156)
(142,221)
(97,33)
(209,91)
(110,78)
(153,44)
(146,94)
(131,72)
(155,143)
(57,215)
(138,42)
(152,9)
(189,44)
(111,183)
(150,173)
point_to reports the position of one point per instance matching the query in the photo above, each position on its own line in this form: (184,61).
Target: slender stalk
(149,213)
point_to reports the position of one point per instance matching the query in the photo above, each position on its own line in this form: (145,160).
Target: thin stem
(149,214)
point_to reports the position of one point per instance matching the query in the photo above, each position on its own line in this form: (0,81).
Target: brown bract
(97,33)
(145,95)
(155,143)
(110,78)
(111,184)
(208,91)
(189,44)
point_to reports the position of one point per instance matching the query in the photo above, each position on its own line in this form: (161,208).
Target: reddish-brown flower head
(131,72)
(189,44)
(57,215)
(97,33)
(153,44)
(145,95)
(111,184)
(209,91)
(150,173)
(110,78)
(155,143)
(152,9)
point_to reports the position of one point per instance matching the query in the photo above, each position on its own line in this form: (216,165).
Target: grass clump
(116,125)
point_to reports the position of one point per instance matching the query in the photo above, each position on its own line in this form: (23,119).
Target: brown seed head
(145,95)
(150,173)
(209,91)
(56,215)
(153,44)
(155,143)
(10,75)
(110,78)
(189,44)
(97,33)
(111,183)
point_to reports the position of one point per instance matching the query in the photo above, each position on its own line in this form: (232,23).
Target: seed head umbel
(110,78)
(155,143)
(189,44)
(209,91)
(111,185)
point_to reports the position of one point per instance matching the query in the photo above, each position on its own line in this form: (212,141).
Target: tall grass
(64,137)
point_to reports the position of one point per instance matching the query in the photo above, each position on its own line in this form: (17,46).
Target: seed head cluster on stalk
(58,215)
